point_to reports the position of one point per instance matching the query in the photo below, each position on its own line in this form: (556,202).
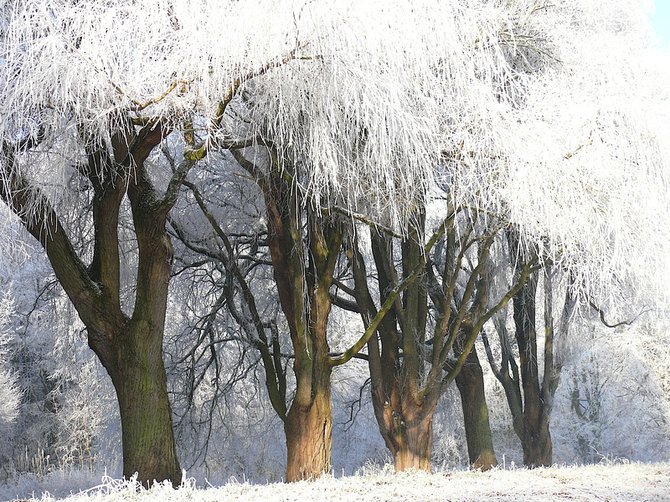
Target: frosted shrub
(10,398)
(10,393)
(614,401)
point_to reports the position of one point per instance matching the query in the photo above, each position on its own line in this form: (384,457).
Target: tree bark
(537,445)
(470,383)
(138,375)
(308,429)
(413,438)
(303,271)
(405,425)
(308,424)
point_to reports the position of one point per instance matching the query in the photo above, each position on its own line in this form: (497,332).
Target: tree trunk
(414,442)
(309,437)
(133,355)
(537,445)
(309,422)
(470,383)
(535,436)
(139,376)
(407,428)
(146,418)
(305,300)
(130,349)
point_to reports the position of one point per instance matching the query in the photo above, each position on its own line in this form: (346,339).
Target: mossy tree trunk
(470,383)
(404,409)
(146,417)
(413,441)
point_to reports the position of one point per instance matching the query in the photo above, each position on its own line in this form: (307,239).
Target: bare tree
(530,393)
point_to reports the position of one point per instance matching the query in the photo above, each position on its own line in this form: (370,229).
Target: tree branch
(390,300)
(41,221)
(627,322)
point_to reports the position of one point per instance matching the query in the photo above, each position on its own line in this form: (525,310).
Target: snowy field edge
(648,482)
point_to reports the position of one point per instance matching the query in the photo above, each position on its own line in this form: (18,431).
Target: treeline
(471,186)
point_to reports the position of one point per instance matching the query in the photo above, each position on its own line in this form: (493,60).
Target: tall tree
(105,130)
(500,102)
(129,346)
(304,247)
(304,243)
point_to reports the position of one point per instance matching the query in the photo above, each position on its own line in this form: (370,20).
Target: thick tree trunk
(407,428)
(414,443)
(139,376)
(470,383)
(309,437)
(146,418)
(308,424)
(133,357)
(404,417)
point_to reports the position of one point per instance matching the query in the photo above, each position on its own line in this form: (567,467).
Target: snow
(613,481)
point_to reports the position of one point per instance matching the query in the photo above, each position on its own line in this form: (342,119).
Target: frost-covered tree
(615,399)
(530,374)
(47,359)
(538,114)
(297,80)
(302,245)
(128,345)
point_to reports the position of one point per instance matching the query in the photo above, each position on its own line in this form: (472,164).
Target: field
(618,482)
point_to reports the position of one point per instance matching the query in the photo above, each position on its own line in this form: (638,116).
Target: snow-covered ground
(619,482)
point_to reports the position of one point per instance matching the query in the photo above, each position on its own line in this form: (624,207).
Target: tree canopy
(541,113)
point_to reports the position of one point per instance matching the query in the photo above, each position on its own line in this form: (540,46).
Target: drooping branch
(138,106)
(626,322)
(200,152)
(274,374)
(364,219)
